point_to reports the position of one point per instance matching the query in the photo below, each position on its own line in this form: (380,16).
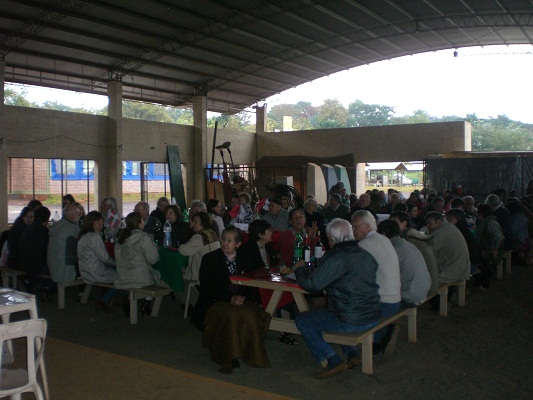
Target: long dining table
(264,279)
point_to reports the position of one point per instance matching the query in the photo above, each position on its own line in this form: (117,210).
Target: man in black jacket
(348,274)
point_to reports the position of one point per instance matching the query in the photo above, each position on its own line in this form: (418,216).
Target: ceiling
(236,52)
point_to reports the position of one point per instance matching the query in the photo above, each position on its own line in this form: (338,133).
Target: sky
(487,81)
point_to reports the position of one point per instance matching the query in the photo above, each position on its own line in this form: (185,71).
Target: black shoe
(126,308)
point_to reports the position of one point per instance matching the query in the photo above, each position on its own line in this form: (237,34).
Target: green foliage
(361,114)
(501,134)
(331,114)
(17,98)
(145,111)
(301,113)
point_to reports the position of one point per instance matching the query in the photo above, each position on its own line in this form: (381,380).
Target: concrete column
(2,82)
(260,128)
(360,178)
(112,186)
(199,141)
(3,155)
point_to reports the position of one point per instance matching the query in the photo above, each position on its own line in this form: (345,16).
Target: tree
(182,116)
(146,111)
(331,114)
(418,117)
(361,114)
(13,97)
(301,114)
(501,135)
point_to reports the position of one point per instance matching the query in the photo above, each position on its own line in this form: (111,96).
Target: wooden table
(279,285)
(12,301)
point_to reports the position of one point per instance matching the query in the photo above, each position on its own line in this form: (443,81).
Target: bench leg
(86,293)
(411,325)
(367,357)
(499,270)
(156,306)
(508,261)
(60,296)
(444,302)
(133,308)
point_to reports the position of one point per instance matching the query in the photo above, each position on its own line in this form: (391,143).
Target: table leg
(274,301)
(301,302)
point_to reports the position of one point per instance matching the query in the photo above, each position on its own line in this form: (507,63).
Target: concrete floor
(481,351)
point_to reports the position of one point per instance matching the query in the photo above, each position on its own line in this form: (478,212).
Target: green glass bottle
(298,248)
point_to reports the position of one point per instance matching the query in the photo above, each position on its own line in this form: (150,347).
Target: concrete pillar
(260,128)
(199,147)
(112,186)
(360,178)
(2,82)
(3,156)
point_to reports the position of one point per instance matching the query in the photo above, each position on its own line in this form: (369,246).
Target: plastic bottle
(167,229)
(298,248)
(55,219)
(185,215)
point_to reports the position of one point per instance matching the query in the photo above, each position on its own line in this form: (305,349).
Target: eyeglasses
(358,226)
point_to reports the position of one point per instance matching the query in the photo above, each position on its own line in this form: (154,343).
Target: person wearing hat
(277,217)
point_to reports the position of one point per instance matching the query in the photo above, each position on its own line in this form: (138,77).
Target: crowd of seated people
(426,241)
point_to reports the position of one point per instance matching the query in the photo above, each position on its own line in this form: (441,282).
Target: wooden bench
(10,274)
(157,292)
(505,262)
(443,293)
(61,291)
(366,338)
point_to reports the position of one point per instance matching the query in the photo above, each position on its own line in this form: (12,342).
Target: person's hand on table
(237,300)
(299,264)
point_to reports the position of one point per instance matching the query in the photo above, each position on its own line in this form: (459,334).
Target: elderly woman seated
(204,241)
(95,263)
(135,254)
(181,233)
(233,325)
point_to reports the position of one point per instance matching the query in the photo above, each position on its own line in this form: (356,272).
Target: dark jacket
(250,256)
(470,242)
(348,274)
(503,215)
(33,250)
(215,284)
(181,232)
(160,215)
(13,259)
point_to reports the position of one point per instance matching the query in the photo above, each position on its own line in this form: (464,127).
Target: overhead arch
(234,52)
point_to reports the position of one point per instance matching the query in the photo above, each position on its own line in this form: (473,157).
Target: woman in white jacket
(135,253)
(95,263)
(204,241)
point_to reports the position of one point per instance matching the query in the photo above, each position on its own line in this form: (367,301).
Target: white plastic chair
(14,382)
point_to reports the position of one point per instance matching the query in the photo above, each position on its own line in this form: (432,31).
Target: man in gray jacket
(422,242)
(450,249)
(414,274)
(62,246)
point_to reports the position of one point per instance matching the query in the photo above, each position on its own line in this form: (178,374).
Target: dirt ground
(481,351)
